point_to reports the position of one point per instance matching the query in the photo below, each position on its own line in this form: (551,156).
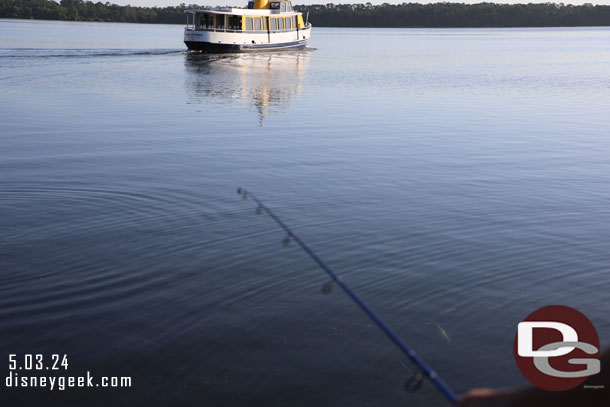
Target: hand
(484,398)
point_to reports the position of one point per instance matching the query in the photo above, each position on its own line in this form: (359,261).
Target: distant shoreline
(354,27)
(406,15)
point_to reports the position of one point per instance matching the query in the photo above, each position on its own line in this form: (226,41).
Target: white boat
(265,25)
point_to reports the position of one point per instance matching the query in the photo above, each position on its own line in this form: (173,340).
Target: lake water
(457,179)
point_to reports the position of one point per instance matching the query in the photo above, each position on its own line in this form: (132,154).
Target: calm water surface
(458,179)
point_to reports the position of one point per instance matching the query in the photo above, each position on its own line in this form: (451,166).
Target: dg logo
(556,348)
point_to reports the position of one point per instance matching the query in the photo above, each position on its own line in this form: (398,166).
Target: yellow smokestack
(261,4)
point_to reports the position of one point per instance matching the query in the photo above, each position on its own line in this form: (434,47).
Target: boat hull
(212,48)
(231,41)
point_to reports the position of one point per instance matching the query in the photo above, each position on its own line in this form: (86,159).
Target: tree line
(457,15)
(79,10)
(336,15)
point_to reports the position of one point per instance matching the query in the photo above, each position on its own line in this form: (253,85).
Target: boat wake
(43,53)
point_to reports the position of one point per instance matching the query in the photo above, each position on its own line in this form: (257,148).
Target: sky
(242,3)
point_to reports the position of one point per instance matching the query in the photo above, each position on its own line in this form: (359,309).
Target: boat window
(288,24)
(220,22)
(249,23)
(257,24)
(274,6)
(250,5)
(209,21)
(283,7)
(289,6)
(234,23)
(272,24)
(280,23)
(264,23)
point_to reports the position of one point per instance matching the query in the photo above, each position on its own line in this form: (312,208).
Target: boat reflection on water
(267,81)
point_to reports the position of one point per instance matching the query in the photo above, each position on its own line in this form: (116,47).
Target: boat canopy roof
(239,11)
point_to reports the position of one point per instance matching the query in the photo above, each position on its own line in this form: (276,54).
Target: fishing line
(414,383)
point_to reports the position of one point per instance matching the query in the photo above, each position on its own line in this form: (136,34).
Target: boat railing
(222,30)
(227,30)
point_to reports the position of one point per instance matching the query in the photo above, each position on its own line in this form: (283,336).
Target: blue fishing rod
(413,383)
